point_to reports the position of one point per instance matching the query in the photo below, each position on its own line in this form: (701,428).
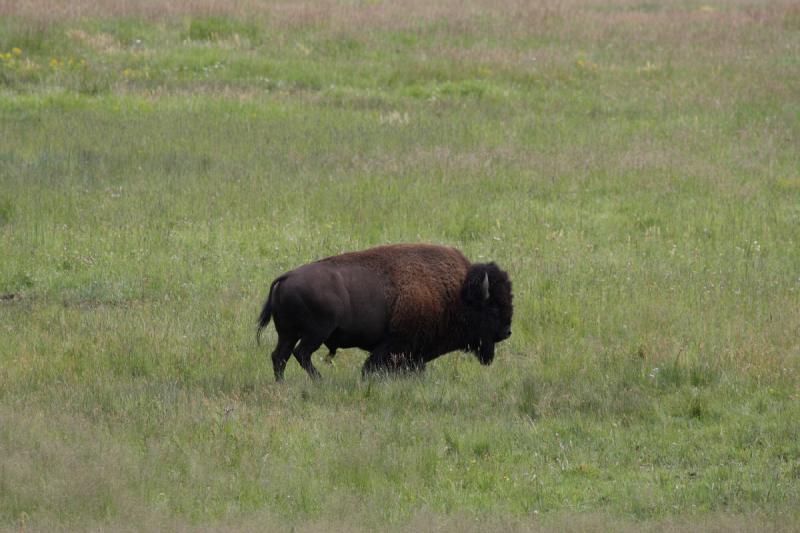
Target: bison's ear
(476,286)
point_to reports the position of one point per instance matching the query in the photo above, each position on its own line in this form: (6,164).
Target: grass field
(634,165)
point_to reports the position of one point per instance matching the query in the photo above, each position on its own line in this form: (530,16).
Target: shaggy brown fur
(423,289)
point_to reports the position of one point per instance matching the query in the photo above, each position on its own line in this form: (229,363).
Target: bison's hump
(424,283)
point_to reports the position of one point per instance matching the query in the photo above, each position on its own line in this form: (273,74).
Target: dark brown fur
(431,294)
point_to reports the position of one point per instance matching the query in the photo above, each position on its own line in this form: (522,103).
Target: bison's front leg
(378,360)
(406,362)
(392,358)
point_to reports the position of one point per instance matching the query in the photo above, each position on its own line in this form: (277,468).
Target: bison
(406,304)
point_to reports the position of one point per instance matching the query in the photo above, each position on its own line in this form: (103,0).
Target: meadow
(634,166)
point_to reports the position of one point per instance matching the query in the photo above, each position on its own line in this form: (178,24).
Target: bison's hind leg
(282,353)
(331,354)
(303,351)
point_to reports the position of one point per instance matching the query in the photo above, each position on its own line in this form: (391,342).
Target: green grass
(635,168)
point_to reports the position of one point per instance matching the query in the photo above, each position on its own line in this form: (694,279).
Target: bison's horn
(485,286)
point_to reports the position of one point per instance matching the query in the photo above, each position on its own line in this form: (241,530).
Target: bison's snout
(503,335)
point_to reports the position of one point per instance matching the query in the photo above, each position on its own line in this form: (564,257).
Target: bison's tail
(266,312)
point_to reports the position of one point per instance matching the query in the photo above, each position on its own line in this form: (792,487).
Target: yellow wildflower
(53,62)
(16,51)
(587,65)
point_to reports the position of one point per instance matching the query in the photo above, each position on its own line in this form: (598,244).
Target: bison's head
(487,296)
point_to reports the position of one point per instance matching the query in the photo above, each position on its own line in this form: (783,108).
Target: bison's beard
(485,352)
